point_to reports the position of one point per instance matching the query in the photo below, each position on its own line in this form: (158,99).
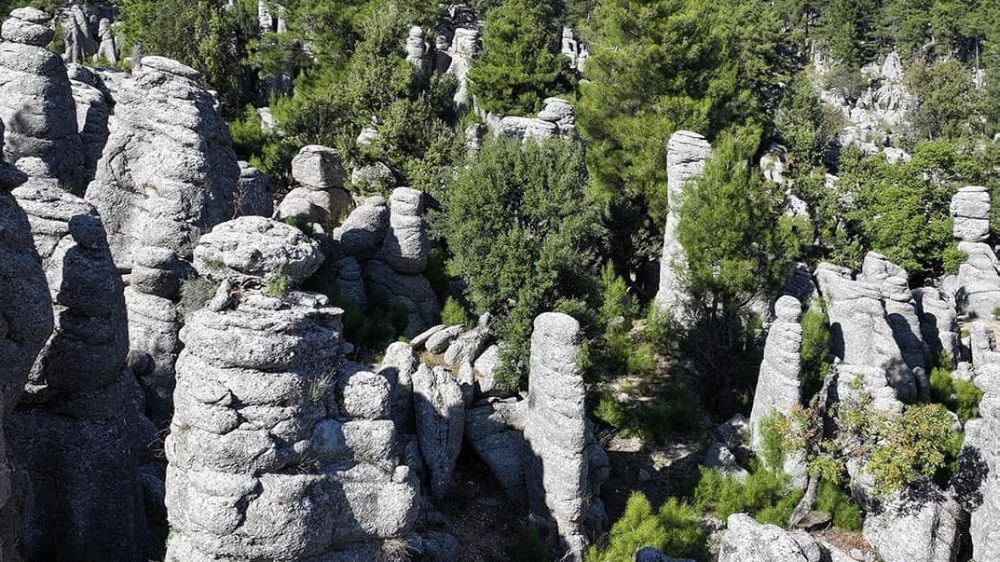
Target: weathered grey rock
(719,456)
(26,310)
(495,430)
(745,540)
(364,229)
(93,111)
(977,483)
(319,168)
(468,346)
(373,178)
(399,365)
(970,209)
(253,196)
(407,243)
(892,282)
(862,336)
(88,347)
(108,48)
(417,49)
(422,338)
(486,365)
(563,471)
(169,173)
(313,206)
(441,340)
(80,41)
(801,285)
(686,156)
(779,386)
(410,292)
(266,461)
(259,248)
(37,106)
(938,322)
(440,414)
(921,525)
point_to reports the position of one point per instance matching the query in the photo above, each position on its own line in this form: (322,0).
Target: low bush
(763,494)
(961,397)
(454,314)
(674,528)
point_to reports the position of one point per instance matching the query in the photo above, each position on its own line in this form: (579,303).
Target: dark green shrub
(831,499)
(815,348)
(961,397)
(528,546)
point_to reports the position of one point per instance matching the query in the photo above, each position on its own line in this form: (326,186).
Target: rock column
(278,450)
(686,156)
(779,387)
(564,466)
(978,277)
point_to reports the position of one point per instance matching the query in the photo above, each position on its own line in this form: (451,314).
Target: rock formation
(93,112)
(938,322)
(779,387)
(26,309)
(978,481)
(978,277)
(440,413)
(417,49)
(320,198)
(564,466)
(556,119)
(168,174)
(900,308)
(862,336)
(276,452)
(457,43)
(745,540)
(920,525)
(36,103)
(391,247)
(686,156)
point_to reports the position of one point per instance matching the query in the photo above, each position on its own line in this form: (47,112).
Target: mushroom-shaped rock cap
(319,167)
(257,247)
(788,309)
(557,327)
(27,26)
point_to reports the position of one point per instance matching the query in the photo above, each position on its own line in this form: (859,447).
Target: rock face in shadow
(79,434)
(36,103)
(26,310)
(564,466)
(440,413)
(686,156)
(279,449)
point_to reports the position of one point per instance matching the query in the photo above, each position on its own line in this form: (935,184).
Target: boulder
(779,386)
(319,168)
(253,196)
(26,309)
(407,243)
(745,540)
(364,229)
(256,248)
(495,428)
(920,525)
(411,293)
(440,414)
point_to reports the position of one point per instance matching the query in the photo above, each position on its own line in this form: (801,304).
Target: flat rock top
(558,327)
(171,66)
(29,14)
(257,247)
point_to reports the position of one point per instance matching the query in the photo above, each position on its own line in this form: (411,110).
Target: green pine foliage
(674,528)
(521,64)
(831,499)
(525,236)
(764,494)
